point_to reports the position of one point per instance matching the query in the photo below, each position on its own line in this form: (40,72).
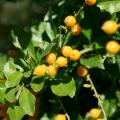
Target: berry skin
(74,55)
(51,58)
(40,70)
(61,61)
(60,117)
(90,2)
(76,29)
(70,21)
(51,70)
(110,27)
(112,47)
(82,71)
(66,51)
(94,113)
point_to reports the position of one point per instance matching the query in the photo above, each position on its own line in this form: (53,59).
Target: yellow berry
(70,21)
(61,61)
(74,55)
(51,70)
(112,47)
(66,51)
(110,27)
(40,70)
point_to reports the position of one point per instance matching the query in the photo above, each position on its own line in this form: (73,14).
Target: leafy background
(32,29)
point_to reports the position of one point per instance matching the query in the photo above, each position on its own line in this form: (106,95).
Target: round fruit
(110,27)
(60,117)
(76,29)
(51,70)
(94,113)
(90,2)
(66,51)
(40,70)
(100,119)
(51,58)
(70,21)
(74,55)
(61,61)
(112,47)
(82,71)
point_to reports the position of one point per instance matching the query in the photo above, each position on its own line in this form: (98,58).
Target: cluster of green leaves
(47,36)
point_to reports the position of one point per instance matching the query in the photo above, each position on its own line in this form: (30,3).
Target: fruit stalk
(97,96)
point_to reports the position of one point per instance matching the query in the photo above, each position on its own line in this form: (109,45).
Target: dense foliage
(67,62)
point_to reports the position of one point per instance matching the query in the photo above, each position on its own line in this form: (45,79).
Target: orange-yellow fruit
(51,58)
(100,119)
(90,2)
(82,71)
(40,70)
(66,51)
(112,47)
(60,117)
(76,29)
(51,70)
(61,61)
(94,113)
(70,21)
(110,27)
(75,55)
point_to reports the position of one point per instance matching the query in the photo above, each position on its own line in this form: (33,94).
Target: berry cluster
(56,62)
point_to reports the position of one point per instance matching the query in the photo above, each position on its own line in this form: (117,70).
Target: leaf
(37,84)
(92,62)
(27,101)
(46,51)
(15,113)
(64,89)
(110,106)
(118,60)
(50,31)
(2,95)
(87,85)
(15,40)
(9,68)
(109,6)
(31,51)
(14,79)
(11,95)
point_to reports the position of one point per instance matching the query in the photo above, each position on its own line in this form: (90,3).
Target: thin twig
(68,117)
(96,94)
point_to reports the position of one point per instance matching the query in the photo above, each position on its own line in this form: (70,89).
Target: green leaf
(50,31)
(9,68)
(64,88)
(46,51)
(31,51)
(118,60)
(2,95)
(11,95)
(110,106)
(92,62)
(14,79)
(15,113)
(37,84)
(27,101)
(109,6)
(15,40)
